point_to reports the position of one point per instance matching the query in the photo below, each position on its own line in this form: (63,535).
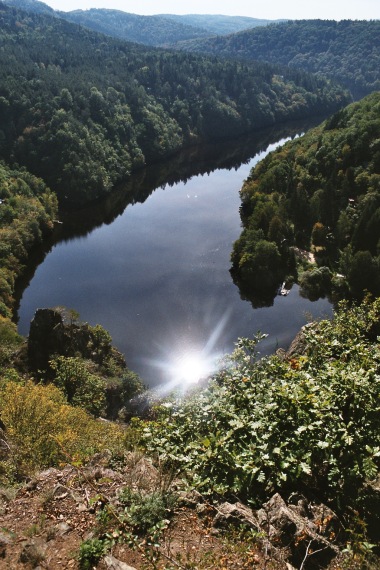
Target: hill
(319,193)
(147,30)
(348,51)
(82,110)
(32,6)
(218,24)
(157,30)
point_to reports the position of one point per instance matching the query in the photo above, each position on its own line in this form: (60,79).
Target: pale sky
(267,9)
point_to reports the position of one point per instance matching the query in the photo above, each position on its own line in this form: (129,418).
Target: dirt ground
(44,522)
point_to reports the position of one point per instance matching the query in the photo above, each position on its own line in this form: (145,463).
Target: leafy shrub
(144,511)
(10,340)
(44,430)
(315,283)
(90,553)
(81,387)
(269,425)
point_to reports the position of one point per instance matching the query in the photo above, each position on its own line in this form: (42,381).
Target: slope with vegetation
(305,424)
(348,51)
(82,110)
(53,387)
(157,30)
(147,30)
(297,433)
(27,212)
(218,24)
(319,193)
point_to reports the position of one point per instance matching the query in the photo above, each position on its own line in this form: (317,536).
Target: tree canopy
(320,192)
(348,51)
(82,110)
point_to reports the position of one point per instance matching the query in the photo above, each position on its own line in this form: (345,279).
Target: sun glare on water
(188,363)
(191,368)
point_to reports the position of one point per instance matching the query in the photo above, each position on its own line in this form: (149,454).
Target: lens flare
(187,364)
(193,367)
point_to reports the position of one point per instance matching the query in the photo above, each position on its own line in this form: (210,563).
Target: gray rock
(33,553)
(237,513)
(60,492)
(113,563)
(300,529)
(189,498)
(53,332)
(299,345)
(63,528)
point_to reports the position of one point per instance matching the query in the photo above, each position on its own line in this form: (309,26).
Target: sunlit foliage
(82,110)
(309,423)
(325,189)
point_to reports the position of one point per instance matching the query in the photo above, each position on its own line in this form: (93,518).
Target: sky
(269,9)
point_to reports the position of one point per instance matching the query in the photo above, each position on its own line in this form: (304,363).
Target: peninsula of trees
(320,193)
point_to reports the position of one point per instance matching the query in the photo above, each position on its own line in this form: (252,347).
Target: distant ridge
(347,51)
(218,23)
(162,30)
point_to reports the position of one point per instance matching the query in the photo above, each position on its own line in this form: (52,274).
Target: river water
(151,264)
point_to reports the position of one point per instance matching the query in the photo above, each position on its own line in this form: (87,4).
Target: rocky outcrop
(298,531)
(299,345)
(53,332)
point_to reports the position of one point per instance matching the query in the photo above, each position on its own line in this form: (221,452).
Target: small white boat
(283,291)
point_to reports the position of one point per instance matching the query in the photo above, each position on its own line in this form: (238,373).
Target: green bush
(144,511)
(90,553)
(265,425)
(81,387)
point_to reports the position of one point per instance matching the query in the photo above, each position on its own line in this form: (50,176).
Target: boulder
(237,514)
(299,345)
(52,332)
(305,532)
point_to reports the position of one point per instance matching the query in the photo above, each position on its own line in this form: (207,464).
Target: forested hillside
(218,24)
(321,193)
(148,30)
(82,110)
(348,51)
(32,6)
(157,30)
(27,212)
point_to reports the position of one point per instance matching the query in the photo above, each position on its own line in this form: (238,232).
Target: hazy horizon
(274,10)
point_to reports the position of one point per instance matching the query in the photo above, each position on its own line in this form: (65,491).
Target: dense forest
(348,51)
(27,212)
(219,24)
(320,193)
(82,110)
(157,30)
(148,30)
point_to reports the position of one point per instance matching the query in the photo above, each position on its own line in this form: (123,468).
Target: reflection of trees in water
(198,160)
(257,297)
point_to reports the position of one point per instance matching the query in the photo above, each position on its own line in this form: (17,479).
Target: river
(151,264)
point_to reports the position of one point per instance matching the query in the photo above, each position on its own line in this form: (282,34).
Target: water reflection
(153,267)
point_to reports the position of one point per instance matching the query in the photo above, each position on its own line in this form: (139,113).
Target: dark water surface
(151,264)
